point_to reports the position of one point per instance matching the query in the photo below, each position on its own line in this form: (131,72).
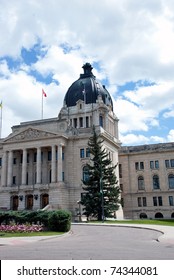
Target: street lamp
(102,198)
(99,165)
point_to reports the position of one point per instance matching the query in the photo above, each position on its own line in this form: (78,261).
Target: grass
(142,221)
(26,234)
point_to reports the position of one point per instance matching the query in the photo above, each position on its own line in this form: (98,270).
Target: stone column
(4,170)
(53,165)
(24,167)
(59,163)
(10,168)
(38,179)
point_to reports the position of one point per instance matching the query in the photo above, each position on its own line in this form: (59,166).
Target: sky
(130,44)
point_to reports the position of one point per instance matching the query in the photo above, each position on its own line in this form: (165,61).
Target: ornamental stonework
(30,134)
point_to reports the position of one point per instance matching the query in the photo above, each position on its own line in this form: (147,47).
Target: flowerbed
(20,228)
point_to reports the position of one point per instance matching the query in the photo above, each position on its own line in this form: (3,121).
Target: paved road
(91,242)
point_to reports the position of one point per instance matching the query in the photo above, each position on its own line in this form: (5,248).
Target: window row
(155,182)
(154,164)
(156,200)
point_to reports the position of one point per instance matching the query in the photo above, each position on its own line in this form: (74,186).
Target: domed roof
(87,88)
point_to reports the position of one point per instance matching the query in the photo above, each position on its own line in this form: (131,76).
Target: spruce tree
(101,196)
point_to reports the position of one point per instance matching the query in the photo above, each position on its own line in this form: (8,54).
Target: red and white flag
(44,93)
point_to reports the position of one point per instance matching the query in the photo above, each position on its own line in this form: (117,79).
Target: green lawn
(41,233)
(143,221)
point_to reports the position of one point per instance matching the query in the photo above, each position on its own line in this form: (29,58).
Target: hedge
(56,220)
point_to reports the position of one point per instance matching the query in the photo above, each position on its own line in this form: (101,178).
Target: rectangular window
(101,121)
(151,164)
(14,180)
(87,121)
(160,201)
(136,165)
(49,155)
(75,122)
(35,157)
(81,122)
(172,162)
(139,201)
(139,165)
(154,201)
(171,201)
(144,202)
(82,153)
(0,161)
(157,201)
(167,163)
(14,160)
(120,170)
(156,164)
(87,152)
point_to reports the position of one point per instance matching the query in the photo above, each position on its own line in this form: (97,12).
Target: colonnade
(7,165)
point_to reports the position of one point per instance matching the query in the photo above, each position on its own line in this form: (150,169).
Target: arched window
(171,181)
(14,202)
(29,202)
(85,174)
(156,184)
(158,215)
(44,199)
(140,183)
(143,216)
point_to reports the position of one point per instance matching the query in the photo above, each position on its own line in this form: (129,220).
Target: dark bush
(43,217)
(59,220)
(7,216)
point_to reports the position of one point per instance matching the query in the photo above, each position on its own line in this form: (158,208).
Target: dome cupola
(87,88)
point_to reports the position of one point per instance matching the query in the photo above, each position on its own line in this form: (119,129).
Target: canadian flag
(44,93)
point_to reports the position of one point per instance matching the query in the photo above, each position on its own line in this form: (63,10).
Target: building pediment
(29,134)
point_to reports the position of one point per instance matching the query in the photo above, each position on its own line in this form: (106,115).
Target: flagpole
(1,121)
(42,108)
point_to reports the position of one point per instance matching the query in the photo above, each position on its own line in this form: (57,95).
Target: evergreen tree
(101,197)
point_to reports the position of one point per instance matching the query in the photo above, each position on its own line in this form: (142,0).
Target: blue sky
(130,44)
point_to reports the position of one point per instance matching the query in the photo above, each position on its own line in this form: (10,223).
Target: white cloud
(131,40)
(138,139)
(133,139)
(170,136)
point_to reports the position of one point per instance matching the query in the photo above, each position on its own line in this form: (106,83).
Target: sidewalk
(167,234)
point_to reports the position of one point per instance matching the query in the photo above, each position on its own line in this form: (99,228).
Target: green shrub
(59,220)
(43,217)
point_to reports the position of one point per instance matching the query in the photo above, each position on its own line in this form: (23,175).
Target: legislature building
(43,162)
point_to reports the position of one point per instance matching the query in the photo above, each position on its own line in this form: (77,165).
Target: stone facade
(147,180)
(42,162)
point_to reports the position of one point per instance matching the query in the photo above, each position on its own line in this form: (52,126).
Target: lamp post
(98,166)
(101,191)
(102,198)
